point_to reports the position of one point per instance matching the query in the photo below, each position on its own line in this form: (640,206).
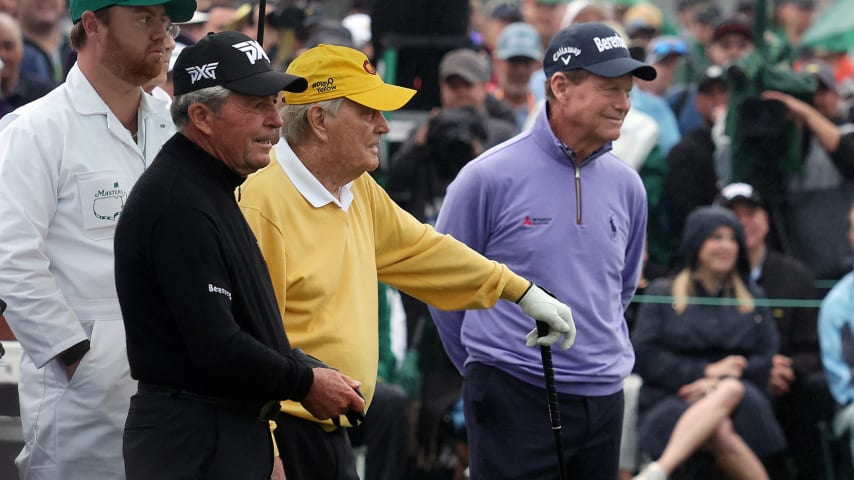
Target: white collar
(87,102)
(306,183)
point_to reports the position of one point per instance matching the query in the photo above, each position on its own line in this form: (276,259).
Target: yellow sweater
(325,263)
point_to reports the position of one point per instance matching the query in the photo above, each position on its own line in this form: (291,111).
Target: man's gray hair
(213,97)
(295,117)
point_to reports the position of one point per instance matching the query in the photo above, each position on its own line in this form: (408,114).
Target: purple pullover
(574,228)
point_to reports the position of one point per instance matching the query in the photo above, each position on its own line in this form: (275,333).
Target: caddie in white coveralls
(67,164)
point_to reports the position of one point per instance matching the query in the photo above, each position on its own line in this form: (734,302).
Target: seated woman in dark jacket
(705,358)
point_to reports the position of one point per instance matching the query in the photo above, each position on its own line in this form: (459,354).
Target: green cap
(178,10)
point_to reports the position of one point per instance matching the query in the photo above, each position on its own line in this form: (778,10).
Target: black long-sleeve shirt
(195,293)
(785,277)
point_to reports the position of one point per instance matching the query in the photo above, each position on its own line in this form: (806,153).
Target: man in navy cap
(204,335)
(555,203)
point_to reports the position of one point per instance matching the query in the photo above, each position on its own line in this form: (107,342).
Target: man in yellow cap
(328,233)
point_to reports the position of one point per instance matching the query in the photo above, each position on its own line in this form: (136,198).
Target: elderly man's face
(244,130)
(596,107)
(354,134)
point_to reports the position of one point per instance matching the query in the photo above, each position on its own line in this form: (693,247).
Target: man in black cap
(204,334)
(556,203)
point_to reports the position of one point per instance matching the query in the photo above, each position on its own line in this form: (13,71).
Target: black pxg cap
(234,61)
(596,48)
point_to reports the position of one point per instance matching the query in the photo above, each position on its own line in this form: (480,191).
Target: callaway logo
(253,51)
(207,70)
(565,54)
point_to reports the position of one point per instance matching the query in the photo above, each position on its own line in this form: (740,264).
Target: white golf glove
(543,307)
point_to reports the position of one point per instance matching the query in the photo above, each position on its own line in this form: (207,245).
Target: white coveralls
(66,167)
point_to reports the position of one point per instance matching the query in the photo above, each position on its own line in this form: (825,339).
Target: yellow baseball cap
(333,71)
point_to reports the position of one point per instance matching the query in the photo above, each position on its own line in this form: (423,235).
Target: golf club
(551,392)
(262,17)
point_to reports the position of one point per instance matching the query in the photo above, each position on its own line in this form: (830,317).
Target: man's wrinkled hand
(331,394)
(543,307)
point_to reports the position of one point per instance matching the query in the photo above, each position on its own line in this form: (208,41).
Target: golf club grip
(549,370)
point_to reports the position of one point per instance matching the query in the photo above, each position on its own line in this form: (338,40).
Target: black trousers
(386,434)
(310,453)
(799,412)
(175,438)
(510,435)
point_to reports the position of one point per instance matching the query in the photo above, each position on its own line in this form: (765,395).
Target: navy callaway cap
(596,48)
(234,61)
